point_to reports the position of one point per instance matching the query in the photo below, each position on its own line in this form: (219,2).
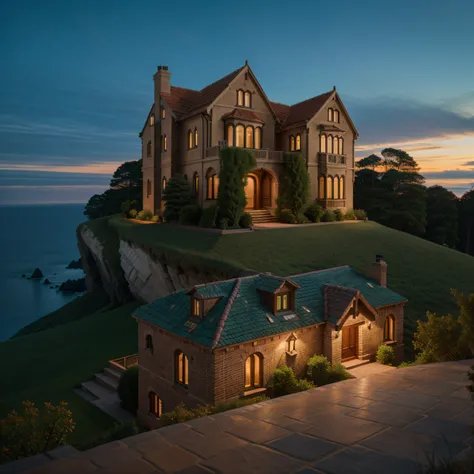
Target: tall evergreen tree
(176,195)
(294,183)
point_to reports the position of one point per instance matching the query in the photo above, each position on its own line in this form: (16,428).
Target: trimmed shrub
(328,216)
(241,402)
(294,183)
(132,213)
(339,215)
(301,219)
(350,215)
(190,214)
(314,212)
(176,195)
(245,220)
(208,217)
(145,215)
(284,382)
(385,354)
(286,216)
(128,389)
(337,373)
(120,430)
(127,206)
(155,219)
(360,214)
(223,223)
(405,364)
(182,413)
(317,370)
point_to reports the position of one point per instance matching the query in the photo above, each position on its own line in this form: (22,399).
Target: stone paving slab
(389,422)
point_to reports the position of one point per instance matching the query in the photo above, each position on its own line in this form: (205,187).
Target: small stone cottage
(222,340)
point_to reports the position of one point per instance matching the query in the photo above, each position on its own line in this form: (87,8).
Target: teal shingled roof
(248,317)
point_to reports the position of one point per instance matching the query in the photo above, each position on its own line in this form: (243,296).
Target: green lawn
(417,269)
(47,365)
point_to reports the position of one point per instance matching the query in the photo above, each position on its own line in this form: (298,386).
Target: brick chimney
(378,271)
(162,80)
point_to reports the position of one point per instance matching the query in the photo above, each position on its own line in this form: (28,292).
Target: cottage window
(298,142)
(190,139)
(181,368)
(212,184)
(196,307)
(230,135)
(240,97)
(322,143)
(148,148)
(239,136)
(163,183)
(330,115)
(330,147)
(254,371)
(258,138)
(322,181)
(292,143)
(149,342)
(341,188)
(248,99)
(196,183)
(336,116)
(329,187)
(196,137)
(336,145)
(155,405)
(152,120)
(336,187)
(341,145)
(282,302)
(249,137)
(388,329)
(163,113)
(165,143)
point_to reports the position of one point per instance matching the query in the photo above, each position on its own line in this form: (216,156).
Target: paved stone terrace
(387,422)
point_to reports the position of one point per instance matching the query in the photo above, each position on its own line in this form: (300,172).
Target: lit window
(341,145)
(196,137)
(282,302)
(254,371)
(196,183)
(239,136)
(298,142)
(247,100)
(165,143)
(329,188)
(212,184)
(258,138)
(163,113)
(240,97)
(149,342)
(230,135)
(152,120)
(148,148)
(249,137)
(336,145)
(292,143)
(163,183)
(336,188)
(322,144)
(341,188)
(190,139)
(196,307)
(336,116)
(330,115)
(216,186)
(155,405)
(181,368)
(321,187)
(330,148)
(388,329)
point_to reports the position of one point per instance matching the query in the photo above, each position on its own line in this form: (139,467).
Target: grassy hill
(417,269)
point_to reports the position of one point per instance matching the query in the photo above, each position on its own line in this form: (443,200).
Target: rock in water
(23,276)
(74,286)
(74,264)
(47,282)
(37,274)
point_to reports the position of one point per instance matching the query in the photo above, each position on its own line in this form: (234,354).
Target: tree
(441,216)
(466,318)
(294,183)
(176,195)
(466,222)
(371,161)
(125,185)
(235,164)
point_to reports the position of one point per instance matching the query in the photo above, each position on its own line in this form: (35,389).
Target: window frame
(190,139)
(165,143)
(260,133)
(292,142)
(329,187)
(155,404)
(238,127)
(149,343)
(148,188)
(323,141)
(230,137)
(389,329)
(240,97)
(283,302)
(212,182)
(196,137)
(298,142)
(342,187)
(148,148)
(196,183)
(322,189)
(249,95)
(330,114)
(163,113)
(253,383)
(341,145)
(249,128)
(163,183)
(152,120)
(184,380)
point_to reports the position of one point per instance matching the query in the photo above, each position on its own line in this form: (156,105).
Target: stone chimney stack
(162,80)
(378,271)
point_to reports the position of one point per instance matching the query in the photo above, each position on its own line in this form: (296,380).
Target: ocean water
(39,236)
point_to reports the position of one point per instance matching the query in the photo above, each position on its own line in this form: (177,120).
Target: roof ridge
(225,313)
(320,271)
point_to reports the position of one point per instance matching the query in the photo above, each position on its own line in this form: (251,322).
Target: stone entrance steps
(352,364)
(261,216)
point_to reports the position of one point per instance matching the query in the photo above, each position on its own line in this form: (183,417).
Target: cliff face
(139,273)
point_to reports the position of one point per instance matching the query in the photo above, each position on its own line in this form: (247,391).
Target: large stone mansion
(185,129)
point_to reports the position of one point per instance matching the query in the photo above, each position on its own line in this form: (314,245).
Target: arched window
(148,148)
(258,138)
(163,183)
(336,116)
(239,136)
(240,97)
(336,187)
(165,143)
(155,405)
(249,137)
(330,115)
(148,188)
(292,143)
(230,135)
(330,147)
(322,182)
(163,113)
(152,120)
(212,183)
(248,99)
(190,139)
(389,329)
(254,371)
(196,183)
(342,192)
(336,145)
(196,137)
(341,145)
(298,142)
(329,187)
(181,368)
(322,143)
(149,342)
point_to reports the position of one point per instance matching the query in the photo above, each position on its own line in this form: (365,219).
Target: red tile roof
(244,115)
(307,109)
(281,110)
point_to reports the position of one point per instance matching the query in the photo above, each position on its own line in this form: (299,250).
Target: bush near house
(145,215)
(208,217)
(284,382)
(190,214)
(132,213)
(339,215)
(350,215)
(314,212)
(127,206)
(155,219)
(385,355)
(328,216)
(176,195)
(245,220)
(294,183)
(128,390)
(286,216)
(360,214)
(320,371)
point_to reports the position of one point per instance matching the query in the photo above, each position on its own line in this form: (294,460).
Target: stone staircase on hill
(261,216)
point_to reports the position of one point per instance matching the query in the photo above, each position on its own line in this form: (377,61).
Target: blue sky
(76,80)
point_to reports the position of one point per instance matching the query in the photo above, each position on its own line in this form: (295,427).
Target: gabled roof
(271,283)
(244,115)
(303,111)
(337,300)
(246,315)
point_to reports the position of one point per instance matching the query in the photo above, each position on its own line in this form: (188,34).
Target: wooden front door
(350,338)
(250,192)
(266,190)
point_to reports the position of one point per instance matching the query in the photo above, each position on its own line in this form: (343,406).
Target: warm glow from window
(298,142)
(341,145)
(388,329)
(249,137)
(196,143)
(197,307)
(336,116)
(282,302)
(253,371)
(292,143)
(152,120)
(163,184)
(239,136)
(240,97)
(322,143)
(165,143)
(182,368)
(258,138)
(163,113)
(330,147)
(329,194)
(212,184)
(341,188)
(195,183)
(230,135)
(155,405)
(321,187)
(330,115)
(216,186)
(336,145)
(285,302)
(291,344)
(336,188)
(190,139)
(247,101)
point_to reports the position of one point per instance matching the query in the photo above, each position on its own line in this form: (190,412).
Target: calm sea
(42,236)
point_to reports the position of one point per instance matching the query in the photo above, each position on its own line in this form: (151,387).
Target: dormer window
(197,307)
(282,302)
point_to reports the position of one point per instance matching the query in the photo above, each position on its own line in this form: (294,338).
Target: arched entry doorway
(261,189)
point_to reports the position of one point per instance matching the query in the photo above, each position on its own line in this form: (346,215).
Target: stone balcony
(332,203)
(260,155)
(332,160)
